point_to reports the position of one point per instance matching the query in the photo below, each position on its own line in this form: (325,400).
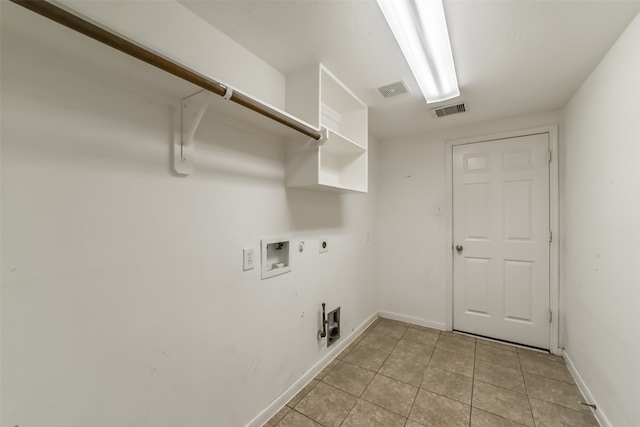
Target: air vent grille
(448,110)
(393,89)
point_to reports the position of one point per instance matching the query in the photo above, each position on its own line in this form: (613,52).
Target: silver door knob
(459,248)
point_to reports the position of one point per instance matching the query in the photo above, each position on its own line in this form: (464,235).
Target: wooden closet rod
(102,35)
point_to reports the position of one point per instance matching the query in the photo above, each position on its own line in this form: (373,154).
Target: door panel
(501,222)
(476,292)
(477,213)
(518,286)
(517,210)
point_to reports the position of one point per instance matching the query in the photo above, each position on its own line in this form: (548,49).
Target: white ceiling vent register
(447,110)
(393,89)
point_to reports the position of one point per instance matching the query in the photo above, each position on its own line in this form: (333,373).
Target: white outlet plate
(249,260)
(324,245)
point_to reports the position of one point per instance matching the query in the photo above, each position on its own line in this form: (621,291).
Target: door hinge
(550,316)
(549,156)
(550,236)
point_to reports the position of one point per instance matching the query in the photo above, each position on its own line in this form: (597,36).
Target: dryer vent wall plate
(324,245)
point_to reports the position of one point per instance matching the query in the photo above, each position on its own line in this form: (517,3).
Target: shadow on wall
(227,152)
(315,210)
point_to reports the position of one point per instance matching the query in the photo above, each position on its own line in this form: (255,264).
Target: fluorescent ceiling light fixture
(420,28)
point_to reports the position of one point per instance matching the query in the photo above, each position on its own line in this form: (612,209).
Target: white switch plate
(249,260)
(324,245)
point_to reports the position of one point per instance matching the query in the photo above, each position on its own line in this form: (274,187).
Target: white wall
(600,245)
(170,29)
(413,239)
(123,296)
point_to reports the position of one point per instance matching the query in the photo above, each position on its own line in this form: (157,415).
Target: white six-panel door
(501,239)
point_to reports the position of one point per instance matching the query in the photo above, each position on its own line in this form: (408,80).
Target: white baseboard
(582,386)
(413,320)
(285,397)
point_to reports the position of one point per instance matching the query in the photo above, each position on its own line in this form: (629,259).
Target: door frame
(554,274)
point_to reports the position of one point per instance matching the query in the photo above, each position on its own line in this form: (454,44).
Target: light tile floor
(397,374)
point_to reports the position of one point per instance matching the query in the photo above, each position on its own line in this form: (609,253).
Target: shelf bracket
(324,136)
(187,117)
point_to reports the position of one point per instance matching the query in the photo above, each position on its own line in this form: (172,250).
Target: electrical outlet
(324,245)
(248,262)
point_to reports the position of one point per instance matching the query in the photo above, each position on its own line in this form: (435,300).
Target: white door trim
(554,294)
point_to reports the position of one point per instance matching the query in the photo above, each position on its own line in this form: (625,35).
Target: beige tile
(408,348)
(326,369)
(425,328)
(394,330)
(326,405)
(553,391)
(366,357)
(452,362)
(408,369)
(357,339)
(540,354)
(365,414)
(302,393)
(387,321)
(370,327)
(421,336)
(496,344)
(411,423)
(481,418)
(350,347)
(344,353)
(277,417)
(457,336)
(349,378)
(296,419)
(448,384)
(456,345)
(496,355)
(434,410)
(499,375)
(502,402)
(391,394)
(547,414)
(382,343)
(546,368)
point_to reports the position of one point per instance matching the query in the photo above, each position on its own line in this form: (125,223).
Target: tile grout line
(488,411)
(356,342)
(359,398)
(527,392)
(473,383)
(422,381)
(423,375)
(395,379)
(412,405)
(545,399)
(573,384)
(348,413)
(497,386)
(378,373)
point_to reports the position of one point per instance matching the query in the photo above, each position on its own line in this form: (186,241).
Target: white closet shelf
(341,146)
(340,163)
